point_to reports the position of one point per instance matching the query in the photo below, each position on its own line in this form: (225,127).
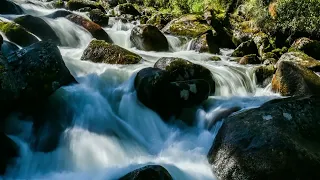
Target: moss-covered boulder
(148,172)
(58,4)
(102,52)
(160,20)
(292,79)
(9,7)
(74,5)
(31,75)
(95,30)
(126,8)
(279,139)
(245,48)
(263,43)
(39,27)
(17,33)
(205,43)
(188,25)
(148,38)
(97,16)
(308,46)
(8,151)
(144,19)
(301,59)
(264,74)
(250,59)
(114,3)
(58,14)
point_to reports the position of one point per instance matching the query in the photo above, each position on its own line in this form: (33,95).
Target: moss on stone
(78,4)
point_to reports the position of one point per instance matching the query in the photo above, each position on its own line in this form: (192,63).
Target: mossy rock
(160,20)
(74,5)
(97,16)
(215,58)
(269,55)
(149,38)
(280,51)
(205,43)
(292,79)
(308,46)
(188,25)
(143,19)
(17,33)
(102,52)
(39,27)
(264,74)
(58,4)
(301,59)
(250,59)
(126,8)
(263,43)
(245,48)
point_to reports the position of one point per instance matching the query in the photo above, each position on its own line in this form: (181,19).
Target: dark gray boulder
(8,7)
(154,172)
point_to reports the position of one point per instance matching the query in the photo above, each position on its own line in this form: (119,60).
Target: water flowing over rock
(279,139)
(101,51)
(58,14)
(292,79)
(8,47)
(8,151)
(38,27)
(8,7)
(96,30)
(17,33)
(30,75)
(148,172)
(148,38)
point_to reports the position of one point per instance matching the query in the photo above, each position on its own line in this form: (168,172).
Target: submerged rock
(188,25)
(39,27)
(30,75)
(96,30)
(308,46)
(279,139)
(8,151)
(174,84)
(97,16)
(8,7)
(292,79)
(17,33)
(103,52)
(126,8)
(152,172)
(148,38)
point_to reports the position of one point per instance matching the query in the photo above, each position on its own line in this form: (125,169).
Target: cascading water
(111,133)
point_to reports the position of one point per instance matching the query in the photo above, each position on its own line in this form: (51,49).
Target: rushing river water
(111,132)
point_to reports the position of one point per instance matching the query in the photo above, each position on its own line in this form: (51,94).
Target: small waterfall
(107,131)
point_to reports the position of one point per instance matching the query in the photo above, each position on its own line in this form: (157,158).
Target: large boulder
(97,16)
(205,43)
(148,38)
(30,75)
(74,5)
(9,7)
(95,30)
(8,151)
(148,172)
(17,33)
(160,20)
(126,8)
(185,85)
(292,79)
(308,46)
(301,59)
(279,140)
(102,52)
(188,25)
(245,48)
(39,27)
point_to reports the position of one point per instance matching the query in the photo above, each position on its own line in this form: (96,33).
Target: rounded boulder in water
(39,27)
(8,7)
(99,17)
(148,172)
(148,38)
